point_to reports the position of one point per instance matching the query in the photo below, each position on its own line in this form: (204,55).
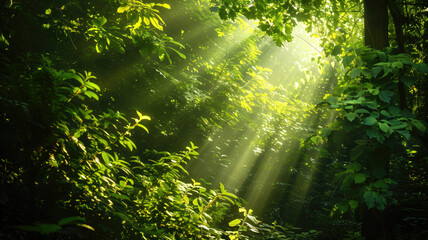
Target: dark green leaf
(355,72)
(331,99)
(372,133)
(357,151)
(362,110)
(380,184)
(70,220)
(385,113)
(355,167)
(405,134)
(325,132)
(384,127)
(376,71)
(421,67)
(353,204)
(382,56)
(385,96)
(369,121)
(359,178)
(419,125)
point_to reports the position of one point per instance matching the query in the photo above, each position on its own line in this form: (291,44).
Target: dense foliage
(329,148)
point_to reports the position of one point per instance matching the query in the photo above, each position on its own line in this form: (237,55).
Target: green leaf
(99,22)
(234,223)
(353,204)
(325,132)
(164,5)
(222,187)
(381,55)
(419,125)
(385,96)
(357,151)
(405,134)
(155,23)
(384,127)
(91,94)
(369,121)
(421,67)
(92,85)
(385,113)
(179,53)
(397,65)
(355,72)
(351,116)
(348,60)
(123,9)
(369,198)
(371,105)
(106,157)
(316,140)
(342,207)
(70,219)
(359,178)
(336,50)
(366,73)
(386,72)
(362,110)
(331,99)
(374,91)
(372,133)
(69,75)
(376,71)
(355,167)
(383,64)
(380,184)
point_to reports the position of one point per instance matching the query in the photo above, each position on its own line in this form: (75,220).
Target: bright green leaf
(234,223)
(123,9)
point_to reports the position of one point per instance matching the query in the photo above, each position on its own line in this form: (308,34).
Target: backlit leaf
(234,223)
(123,9)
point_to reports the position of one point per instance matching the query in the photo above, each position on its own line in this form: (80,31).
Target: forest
(214,119)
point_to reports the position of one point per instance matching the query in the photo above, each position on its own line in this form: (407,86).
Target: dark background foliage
(104,104)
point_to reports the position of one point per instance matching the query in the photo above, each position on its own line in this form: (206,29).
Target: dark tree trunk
(374,221)
(398,20)
(376,23)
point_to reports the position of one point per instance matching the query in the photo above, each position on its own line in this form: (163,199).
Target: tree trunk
(376,23)
(374,221)
(398,18)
